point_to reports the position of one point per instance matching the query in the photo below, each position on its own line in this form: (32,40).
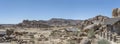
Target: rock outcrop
(63,22)
(33,24)
(99,18)
(116,12)
(95,20)
(50,23)
(85,41)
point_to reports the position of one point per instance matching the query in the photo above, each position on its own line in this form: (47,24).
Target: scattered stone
(85,41)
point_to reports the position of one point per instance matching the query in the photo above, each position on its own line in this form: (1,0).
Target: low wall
(112,38)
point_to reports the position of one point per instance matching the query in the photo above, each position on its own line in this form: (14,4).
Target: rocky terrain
(53,31)
(97,30)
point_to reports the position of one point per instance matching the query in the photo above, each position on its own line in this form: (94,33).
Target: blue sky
(14,11)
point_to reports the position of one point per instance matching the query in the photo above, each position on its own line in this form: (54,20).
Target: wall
(116,27)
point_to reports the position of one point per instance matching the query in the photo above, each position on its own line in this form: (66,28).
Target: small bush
(103,42)
(91,33)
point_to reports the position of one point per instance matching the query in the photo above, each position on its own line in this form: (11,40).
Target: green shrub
(103,42)
(72,42)
(91,33)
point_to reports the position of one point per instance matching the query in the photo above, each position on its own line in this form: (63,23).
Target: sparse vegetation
(61,31)
(91,33)
(72,42)
(103,41)
(9,31)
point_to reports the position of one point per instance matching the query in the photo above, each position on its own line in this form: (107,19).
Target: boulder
(116,12)
(85,41)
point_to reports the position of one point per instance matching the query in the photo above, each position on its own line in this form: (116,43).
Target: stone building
(111,27)
(113,24)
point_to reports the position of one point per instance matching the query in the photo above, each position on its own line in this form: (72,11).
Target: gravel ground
(4,43)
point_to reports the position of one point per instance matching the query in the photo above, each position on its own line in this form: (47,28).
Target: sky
(14,11)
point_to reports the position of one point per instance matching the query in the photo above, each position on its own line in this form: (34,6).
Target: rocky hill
(63,22)
(98,18)
(95,20)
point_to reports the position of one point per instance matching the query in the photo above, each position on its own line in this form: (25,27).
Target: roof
(111,21)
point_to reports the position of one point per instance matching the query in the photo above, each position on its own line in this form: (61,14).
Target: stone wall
(116,27)
(112,37)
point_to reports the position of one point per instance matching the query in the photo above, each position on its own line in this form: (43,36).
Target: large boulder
(85,41)
(116,12)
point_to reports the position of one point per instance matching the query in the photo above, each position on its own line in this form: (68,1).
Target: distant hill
(63,22)
(49,23)
(56,22)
